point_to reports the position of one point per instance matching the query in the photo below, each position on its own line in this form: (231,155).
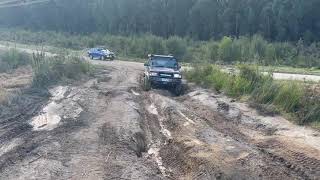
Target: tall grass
(3,96)
(288,97)
(228,50)
(49,70)
(12,59)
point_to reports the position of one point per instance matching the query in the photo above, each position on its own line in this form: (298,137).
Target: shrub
(217,79)
(12,59)
(3,96)
(250,73)
(237,86)
(51,70)
(310,112)
(270,55)
(225,49)
(176,46)
(289,97)
(266,92)
(258,47)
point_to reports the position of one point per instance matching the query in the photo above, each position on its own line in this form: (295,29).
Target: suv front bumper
(165,81)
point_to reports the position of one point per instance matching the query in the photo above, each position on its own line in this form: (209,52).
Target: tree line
(276,20)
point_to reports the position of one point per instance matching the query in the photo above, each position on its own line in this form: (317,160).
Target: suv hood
(163,69)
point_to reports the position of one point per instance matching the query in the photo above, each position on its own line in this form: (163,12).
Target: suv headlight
(153,74)
(177,76)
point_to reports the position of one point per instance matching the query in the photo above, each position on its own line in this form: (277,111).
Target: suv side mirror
(146,64)
(179,66)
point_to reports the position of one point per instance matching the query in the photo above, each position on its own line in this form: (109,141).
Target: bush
(217,79)
(12,59)
(288,97)
(237,86)
(258,47)
(270,55)
(3,96)
(266,92)
(176,46)
(48,71)
(225,49)
(310,112)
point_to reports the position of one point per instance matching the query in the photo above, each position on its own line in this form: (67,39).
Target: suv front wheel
(178,89)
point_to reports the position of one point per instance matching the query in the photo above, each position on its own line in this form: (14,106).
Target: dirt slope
(108,128)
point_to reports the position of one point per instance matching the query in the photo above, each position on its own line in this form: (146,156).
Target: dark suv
(163,71)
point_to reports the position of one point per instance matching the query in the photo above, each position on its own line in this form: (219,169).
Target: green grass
(251,50)
(3,96)
(12,59)
(289,97)
(50,70)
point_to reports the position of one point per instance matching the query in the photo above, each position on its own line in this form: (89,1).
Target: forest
(275,20)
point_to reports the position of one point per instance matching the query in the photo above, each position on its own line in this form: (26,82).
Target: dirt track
(108,128)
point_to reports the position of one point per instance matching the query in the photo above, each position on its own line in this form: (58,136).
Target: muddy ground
(106,127)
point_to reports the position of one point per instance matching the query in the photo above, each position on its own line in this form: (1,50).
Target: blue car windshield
(164,62)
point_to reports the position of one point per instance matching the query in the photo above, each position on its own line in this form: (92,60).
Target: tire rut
(187,154)
(292,162)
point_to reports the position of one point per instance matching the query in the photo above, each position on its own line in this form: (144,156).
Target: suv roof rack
(156,55)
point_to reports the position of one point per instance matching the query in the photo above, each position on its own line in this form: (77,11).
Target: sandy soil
(108,128)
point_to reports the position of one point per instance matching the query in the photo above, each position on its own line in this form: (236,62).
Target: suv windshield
(105,51)
(164,62)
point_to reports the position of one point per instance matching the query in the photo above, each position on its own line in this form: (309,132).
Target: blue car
(101,54)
